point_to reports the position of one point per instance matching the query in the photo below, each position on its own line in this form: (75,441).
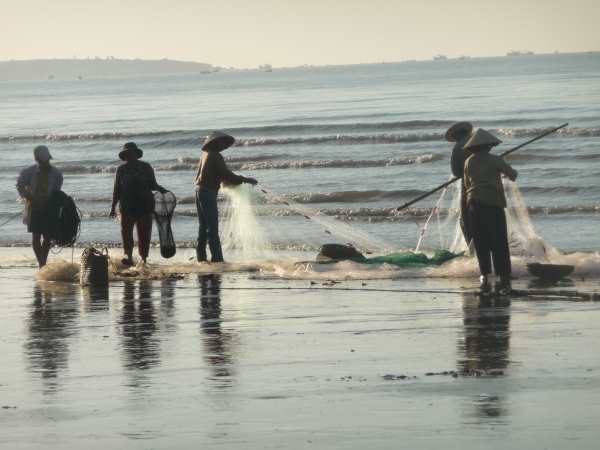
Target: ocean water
(333,145)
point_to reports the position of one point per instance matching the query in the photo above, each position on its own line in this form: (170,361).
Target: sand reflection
(218,343)
(137,326)
(484,350)
(51,324)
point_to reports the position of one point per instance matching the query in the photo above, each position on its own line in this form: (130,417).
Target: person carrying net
(212,171)
(134,183)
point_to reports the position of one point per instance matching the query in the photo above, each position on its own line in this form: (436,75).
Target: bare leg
(45,250)
(127,235)
(144,233)
(36,243)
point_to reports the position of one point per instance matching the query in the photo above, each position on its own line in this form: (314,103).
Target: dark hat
(217,142)
(458,128)
(130,147)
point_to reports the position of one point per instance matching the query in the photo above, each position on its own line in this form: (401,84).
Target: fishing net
(523,238)
(411,259)
(241,229)
(164,205)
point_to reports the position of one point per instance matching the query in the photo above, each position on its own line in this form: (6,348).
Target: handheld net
(164,205)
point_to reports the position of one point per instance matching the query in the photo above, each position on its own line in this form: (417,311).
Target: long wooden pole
(455,179)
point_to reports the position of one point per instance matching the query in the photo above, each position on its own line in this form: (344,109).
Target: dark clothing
(490,236)
(464,215)
(134,183)
(212,171)
(458,158)
(208,216)
(39,219)
(144,233)
(457,164)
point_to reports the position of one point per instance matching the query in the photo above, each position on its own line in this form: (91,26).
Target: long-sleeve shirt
(458,158)
(212,170)
(134,183)
(34,182)
(482,178)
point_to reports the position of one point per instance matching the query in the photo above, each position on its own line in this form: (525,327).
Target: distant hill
(69,69)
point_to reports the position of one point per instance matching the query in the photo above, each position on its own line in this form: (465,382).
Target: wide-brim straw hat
(458,128)
(217,141)
(131,147)
(481,139)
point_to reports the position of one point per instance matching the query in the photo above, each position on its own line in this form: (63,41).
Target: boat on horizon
(519,53)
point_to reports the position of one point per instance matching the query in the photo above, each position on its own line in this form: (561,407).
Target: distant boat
(79,77)
(463,57)
(518,53)
(266,68)
(51,77)
(440,58)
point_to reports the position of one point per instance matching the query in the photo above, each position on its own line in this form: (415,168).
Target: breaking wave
(344,133)
(257,163)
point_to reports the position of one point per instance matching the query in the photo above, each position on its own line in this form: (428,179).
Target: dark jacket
(134,183)
(458,158)
(212,171)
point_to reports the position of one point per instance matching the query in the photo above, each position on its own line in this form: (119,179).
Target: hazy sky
(245,33)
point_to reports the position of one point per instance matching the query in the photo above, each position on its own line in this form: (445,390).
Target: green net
(410,259)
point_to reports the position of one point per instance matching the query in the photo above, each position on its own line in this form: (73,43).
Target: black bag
(164,205)
(64,220)
(338,252)
(94,267)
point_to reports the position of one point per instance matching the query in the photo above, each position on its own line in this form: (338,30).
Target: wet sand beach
(229,361)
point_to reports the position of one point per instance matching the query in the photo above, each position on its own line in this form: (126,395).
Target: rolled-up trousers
(487,225)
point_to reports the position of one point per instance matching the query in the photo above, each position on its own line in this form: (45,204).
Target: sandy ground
(199,362)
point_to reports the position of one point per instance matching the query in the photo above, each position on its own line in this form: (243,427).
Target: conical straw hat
(217,142)
(481,138)
(458,128)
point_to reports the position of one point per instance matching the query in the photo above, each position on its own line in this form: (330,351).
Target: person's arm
(116,194)
(24,184)
(153,184)
(507,169)
(228,176)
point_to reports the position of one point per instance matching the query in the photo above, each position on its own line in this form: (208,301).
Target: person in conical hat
(459,133)
(485,208)
(212,171)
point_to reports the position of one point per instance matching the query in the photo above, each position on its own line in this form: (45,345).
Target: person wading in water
(485,206)
(134,183)
(459,133)
(35,185)
(212,171)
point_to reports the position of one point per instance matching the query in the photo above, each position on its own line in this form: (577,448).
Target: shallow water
(226,360)
(350,143)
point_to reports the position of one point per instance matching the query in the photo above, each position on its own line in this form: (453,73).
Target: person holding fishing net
(485,208)
(134,183)
(459,133)
(212,171)
(36,185)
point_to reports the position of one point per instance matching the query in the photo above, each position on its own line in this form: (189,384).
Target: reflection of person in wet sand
(138,326)
(217,343)
(51,324)
(485,345)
